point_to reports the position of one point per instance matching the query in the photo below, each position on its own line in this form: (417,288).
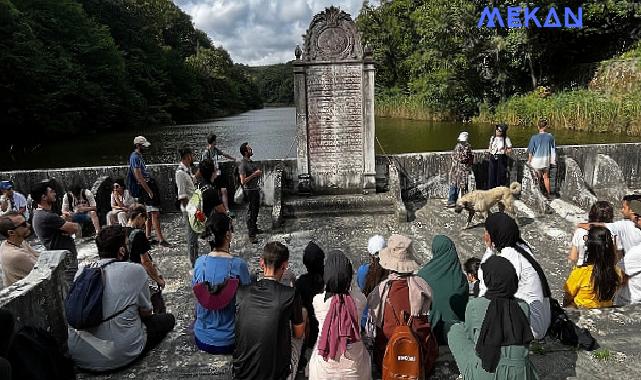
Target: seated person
(121,202)
(339,352)
(631,264)
(118,341)
(12,200)
(471,267)
(494,340)
(450,289)
(600,212)
(79,206)
(594,284)
(268,314)
(214,329)
(140,253)
(16,255)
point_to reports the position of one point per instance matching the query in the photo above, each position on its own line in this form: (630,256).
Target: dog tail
(515,188)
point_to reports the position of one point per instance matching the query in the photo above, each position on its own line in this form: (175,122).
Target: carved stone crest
(332,36)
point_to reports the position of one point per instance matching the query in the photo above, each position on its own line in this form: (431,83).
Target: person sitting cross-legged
(215,323)
(79,206)
(133,330)
(268,315)
(121,202)
(493,342)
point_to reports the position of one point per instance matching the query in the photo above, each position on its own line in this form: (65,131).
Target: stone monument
(334,97)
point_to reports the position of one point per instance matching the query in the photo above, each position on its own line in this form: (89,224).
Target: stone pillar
(302,152)
(369,129)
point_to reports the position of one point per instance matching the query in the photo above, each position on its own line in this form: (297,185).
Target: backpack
(566,331)
(83,306)
(197,217)
(403,357)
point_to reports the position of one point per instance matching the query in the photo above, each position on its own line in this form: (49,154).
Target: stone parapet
(38,299)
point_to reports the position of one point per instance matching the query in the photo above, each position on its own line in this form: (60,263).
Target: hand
(258,173)
(161,282)
(487,240)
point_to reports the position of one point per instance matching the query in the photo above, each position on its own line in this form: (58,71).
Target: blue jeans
(452,196)
(214,350)
(192,241)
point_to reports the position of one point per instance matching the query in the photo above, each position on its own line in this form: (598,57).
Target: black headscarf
(313,259)
(504,232)
(338,274)
(505,323)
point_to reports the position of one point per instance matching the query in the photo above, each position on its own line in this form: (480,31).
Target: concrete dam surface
(409,199)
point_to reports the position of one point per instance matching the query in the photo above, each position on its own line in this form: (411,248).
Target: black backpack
(566,331)
(83,305)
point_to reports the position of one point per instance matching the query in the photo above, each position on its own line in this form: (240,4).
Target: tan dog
(481,201)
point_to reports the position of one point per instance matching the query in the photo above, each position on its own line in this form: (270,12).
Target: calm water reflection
(271,132)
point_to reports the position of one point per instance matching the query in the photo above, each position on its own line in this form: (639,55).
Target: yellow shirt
(579,287)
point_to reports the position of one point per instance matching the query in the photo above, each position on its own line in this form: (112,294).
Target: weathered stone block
(38,299)
(573,188)
(395,193)
(277,197)
(531,194)
(608,182)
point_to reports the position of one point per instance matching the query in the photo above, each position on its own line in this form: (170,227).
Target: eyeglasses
(23,224)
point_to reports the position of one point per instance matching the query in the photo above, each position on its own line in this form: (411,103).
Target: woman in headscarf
(493,342)
(406,293)
(502,237)
(450,289)
(309,285)
(339,352)
(462,159)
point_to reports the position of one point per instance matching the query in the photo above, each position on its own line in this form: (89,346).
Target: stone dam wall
(593,168)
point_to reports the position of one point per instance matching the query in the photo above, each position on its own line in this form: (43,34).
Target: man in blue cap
(12,200)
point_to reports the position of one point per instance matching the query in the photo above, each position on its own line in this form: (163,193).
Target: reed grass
(407,107)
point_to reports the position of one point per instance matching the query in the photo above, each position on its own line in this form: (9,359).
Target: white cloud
(259,32)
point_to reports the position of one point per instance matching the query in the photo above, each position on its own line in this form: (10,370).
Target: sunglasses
(116,186)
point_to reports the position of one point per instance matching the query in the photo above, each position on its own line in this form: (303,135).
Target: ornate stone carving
(332,36)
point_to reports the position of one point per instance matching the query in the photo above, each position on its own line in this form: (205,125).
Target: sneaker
(253,239)
(165,243)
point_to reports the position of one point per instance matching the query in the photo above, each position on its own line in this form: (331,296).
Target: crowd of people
(336,321)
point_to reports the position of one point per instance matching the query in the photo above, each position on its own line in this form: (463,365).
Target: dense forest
(434,62)
(70,66)
(275,83)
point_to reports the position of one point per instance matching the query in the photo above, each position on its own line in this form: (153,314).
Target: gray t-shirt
(247,168)
(47,226)
(117,342)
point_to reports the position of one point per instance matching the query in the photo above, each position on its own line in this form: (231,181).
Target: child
(471,268)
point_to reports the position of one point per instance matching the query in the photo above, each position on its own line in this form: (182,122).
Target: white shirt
(126,199)
(578,241)
(88,200)
(530,289)
(184,183)
(631,264)
(497,145)
(628,235)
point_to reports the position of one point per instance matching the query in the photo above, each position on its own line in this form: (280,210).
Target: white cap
(375,244)
(142,141)
(463,136)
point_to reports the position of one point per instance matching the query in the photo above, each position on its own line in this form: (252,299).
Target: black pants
(498,171)
(253,197)
(158,325)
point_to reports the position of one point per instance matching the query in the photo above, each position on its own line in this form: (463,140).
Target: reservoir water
(271,133)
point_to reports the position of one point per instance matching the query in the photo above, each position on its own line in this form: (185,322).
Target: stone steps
(337,205)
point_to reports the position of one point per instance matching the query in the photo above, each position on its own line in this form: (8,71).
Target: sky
(260,32)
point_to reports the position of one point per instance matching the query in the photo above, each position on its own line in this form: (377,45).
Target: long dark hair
(601,212)
(602,254)
(375,275)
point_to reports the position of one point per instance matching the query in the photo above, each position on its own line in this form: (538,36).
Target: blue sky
(259,32)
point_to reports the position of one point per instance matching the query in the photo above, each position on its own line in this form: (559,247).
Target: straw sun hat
(398,256)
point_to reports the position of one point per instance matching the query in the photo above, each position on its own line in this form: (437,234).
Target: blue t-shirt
(216,327)
(361,275)
(136,161)
(541,145)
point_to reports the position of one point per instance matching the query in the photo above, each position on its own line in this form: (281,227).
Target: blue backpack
(83,305)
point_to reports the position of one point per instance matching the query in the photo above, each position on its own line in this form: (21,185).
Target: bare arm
(70,228)
(151,269)
(141,180)
(573,256)
(4,205)
(586,226)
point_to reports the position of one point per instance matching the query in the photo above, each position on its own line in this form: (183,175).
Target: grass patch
(602,354)
(407,107)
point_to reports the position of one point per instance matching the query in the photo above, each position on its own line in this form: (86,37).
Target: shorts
(152,209)
(80,217)
(153,203)
(220,182)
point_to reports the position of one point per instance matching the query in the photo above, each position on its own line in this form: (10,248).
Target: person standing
(53,231)
(144,188)
(542,154)
(17,258)
(462,159)
(220,181)
(500,147)
(12,200)
(249,174)
(186,188)
(121,202)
